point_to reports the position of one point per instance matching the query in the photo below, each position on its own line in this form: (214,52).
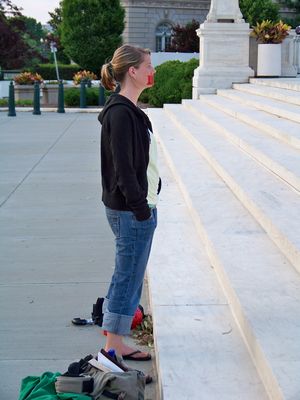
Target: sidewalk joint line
(38,162)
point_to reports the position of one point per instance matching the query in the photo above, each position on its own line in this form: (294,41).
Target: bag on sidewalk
(82,377)
(97,315)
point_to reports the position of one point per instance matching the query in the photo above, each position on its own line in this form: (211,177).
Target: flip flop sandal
(82,321)
(131,357)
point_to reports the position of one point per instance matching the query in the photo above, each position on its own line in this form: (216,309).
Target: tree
(258,10)
(31,33)
(91,30)
(56,19)
(8,8)
(295,6)
(185,38)
(292,4)
(13,49)
(55,23)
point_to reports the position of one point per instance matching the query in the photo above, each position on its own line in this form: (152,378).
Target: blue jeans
(133,244)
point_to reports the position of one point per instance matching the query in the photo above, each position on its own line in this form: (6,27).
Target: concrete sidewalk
(56,246)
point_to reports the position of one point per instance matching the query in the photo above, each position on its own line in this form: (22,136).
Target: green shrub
(24,103)
(72,96)
(48,71)
(19,103)
(173,82)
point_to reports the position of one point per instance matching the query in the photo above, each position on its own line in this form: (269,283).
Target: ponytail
(107,77)
(124,57)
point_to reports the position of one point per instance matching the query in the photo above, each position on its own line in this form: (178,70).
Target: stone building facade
(148,23)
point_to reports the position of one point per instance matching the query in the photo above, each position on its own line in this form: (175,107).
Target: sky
(37,9)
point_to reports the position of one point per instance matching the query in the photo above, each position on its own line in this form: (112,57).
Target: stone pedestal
(288,50)
(50,95)
(224,11)
(297,53)
(24,92)
(224,56)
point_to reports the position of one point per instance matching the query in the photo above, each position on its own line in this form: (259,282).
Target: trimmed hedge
(72,96)
(48,71)
(173,82)
(18,103)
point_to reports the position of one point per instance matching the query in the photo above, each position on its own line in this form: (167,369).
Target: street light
(54,50)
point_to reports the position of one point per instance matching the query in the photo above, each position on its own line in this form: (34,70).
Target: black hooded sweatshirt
(125,141)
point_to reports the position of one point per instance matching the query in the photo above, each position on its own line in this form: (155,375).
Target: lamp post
(54,50)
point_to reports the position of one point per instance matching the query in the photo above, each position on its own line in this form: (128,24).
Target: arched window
(163,36)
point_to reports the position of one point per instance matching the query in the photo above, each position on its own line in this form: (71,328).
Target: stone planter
(24,92)
(50,95)
(269,60)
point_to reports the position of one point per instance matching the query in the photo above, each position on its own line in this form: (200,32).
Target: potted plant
(24,85)
(84,75)
(269,36)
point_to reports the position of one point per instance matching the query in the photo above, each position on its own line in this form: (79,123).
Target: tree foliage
(258,10)
(292,4)
(7,8)
(20,44)
(56,19)
(185,38)
(55,23)
(13,49)
(91,30)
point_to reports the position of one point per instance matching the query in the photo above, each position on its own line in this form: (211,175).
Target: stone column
(224,49)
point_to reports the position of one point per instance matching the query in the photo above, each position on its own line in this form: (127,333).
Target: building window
(163,36)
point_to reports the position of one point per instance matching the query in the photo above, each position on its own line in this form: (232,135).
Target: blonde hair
(124,57)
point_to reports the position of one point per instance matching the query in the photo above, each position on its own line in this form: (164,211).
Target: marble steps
(280,158)
(260,283)
(199,350)
(283,83)
(285,95)
(271,106)
(282,129)
(261,192)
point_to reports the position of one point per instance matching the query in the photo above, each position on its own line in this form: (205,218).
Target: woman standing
(130,183)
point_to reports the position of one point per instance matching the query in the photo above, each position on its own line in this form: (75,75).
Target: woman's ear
(131,71)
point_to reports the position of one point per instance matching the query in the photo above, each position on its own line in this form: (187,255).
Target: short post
(11,101)
(61,101)
(101,95)
(36,99)
(82,94)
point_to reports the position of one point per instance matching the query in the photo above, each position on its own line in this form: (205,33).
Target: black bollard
(101,95)
(82,95)
(36,99)
(11,101)
(61,101)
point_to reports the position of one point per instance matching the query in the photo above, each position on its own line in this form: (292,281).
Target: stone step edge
(254,101)
(263,91)
(278,83)
(256,352)
(287,248)
(273,166)
(244,117)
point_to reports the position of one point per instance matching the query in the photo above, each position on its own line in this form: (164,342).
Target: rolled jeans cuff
(118,324)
